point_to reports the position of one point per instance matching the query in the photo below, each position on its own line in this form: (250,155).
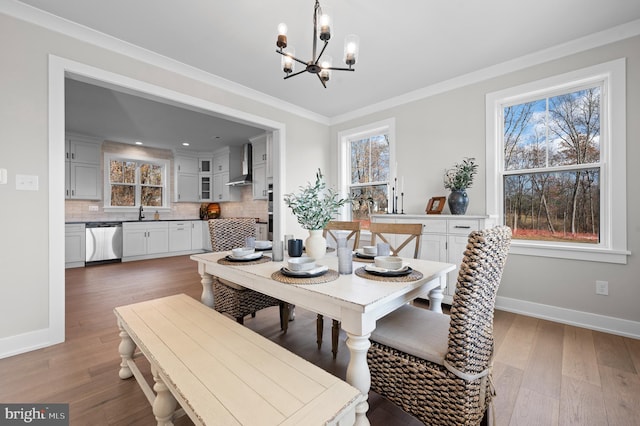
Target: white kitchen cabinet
(227,162)
(74,245)
(180,236)
(144,238)
(262,170)
(261,232)
(206,236)
(205,187)
(186,178)
(205,164)
(196,234)
(444,239)
(82,168)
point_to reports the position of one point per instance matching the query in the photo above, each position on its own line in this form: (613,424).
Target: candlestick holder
(394,201)
(402,202)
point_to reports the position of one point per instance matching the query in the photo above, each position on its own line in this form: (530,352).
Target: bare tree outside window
(369,185)
(552,167)
(128,178)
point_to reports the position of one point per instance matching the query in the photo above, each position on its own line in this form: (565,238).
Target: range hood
(245,177)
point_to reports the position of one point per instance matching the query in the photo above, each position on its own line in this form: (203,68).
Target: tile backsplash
(79,210)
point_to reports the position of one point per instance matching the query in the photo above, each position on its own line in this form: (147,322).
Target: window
(366,169)
(135,182)
(555,161)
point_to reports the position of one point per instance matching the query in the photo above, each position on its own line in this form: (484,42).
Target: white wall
(434,133)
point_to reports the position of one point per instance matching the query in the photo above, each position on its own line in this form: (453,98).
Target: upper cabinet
(262,165)
(82,168)
(227,163)
(186,178)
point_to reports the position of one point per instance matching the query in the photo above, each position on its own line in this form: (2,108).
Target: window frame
(612,247)
(108,157)
(344,156)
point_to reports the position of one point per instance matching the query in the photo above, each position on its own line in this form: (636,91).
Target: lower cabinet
(147,240)
(444,239)
(144,238)
(74,245)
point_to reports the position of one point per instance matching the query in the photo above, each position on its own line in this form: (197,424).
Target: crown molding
(611,35)
(63,26)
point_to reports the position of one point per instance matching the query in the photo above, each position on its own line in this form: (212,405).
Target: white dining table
(357,302)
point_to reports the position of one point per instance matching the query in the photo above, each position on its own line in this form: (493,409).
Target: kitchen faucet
(140,213)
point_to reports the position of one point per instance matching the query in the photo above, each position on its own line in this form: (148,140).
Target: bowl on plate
(388,262)
(261,245)
(242,251)
(370,250)
(301,264)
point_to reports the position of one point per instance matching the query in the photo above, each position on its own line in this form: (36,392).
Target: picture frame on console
(435,205)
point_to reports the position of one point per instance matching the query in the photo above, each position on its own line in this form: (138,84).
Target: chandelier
(318,65)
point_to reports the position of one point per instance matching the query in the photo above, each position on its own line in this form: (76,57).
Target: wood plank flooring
(544,373)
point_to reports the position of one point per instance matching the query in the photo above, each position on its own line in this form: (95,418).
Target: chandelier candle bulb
(282,36)
(325,27)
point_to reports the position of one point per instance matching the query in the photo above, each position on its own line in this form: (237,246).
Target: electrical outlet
(93,208)
(602,287)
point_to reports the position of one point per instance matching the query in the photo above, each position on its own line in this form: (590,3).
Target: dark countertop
(144,220)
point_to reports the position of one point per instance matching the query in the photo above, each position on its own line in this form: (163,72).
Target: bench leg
(126,349)
(164,405)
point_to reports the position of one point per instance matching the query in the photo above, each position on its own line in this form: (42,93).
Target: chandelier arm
(340,69)
(322,81)
(295,73)
(326,42)
(292,57)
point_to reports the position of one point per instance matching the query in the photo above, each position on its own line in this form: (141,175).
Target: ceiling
(405,45)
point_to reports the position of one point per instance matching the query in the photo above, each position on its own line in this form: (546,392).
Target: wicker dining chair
(413,231)
(438,367)
(331,231)
(229,297)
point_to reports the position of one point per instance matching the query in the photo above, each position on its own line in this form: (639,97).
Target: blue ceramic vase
(458,201)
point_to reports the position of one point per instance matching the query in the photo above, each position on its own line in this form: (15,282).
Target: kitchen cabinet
(205,164)
(261,232)
(144,238)
(444,239)
(227,162)
(261,165)
(82,168)
(180,236)
(186,178)
(196,234)
(74,245)
(206,236)
(205,187)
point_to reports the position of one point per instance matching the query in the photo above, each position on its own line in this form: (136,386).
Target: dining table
(357,299)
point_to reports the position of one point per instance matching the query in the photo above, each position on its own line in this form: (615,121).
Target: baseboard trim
(27,342)
(606,324)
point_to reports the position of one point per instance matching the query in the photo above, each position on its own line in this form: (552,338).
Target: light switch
(26,182)
(3,176)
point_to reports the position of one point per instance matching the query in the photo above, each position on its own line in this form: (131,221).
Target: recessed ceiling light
(185,143)
(138,143)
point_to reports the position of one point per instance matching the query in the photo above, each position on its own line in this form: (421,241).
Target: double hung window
(135,182)
(555,164)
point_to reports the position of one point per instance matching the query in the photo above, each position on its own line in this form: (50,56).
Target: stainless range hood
(245,178)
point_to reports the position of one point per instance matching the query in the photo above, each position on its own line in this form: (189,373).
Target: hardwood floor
(544,373)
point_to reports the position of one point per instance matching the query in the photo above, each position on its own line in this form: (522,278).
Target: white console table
(444,238)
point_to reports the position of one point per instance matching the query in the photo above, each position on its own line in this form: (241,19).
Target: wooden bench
(222,373)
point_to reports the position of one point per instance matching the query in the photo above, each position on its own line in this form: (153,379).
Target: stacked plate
(303,267)
(243,254)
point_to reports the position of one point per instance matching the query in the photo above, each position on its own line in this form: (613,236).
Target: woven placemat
(331,275)
(263,259)
(413,276)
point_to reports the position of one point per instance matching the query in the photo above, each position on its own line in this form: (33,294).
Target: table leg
(358,374)
(207,287)
(164,405)
(435,300)
(126,349)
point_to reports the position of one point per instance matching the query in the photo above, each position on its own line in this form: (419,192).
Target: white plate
(360,253)
(263,245)
(373,268)
(311,272)
(247,257)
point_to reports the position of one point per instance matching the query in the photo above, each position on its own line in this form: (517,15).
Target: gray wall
(434,133)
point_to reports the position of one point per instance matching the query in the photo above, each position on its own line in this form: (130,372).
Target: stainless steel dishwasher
(103,242)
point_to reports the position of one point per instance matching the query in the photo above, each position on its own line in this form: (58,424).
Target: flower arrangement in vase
(314,206)
(458,179)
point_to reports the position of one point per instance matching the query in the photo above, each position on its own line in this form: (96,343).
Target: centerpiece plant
(314,206)
(458,179)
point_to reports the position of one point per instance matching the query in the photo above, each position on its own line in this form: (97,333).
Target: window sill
(592,254)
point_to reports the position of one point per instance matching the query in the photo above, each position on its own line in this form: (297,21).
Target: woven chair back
(227,234)
(413,231)
(337,225)
(470,345)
